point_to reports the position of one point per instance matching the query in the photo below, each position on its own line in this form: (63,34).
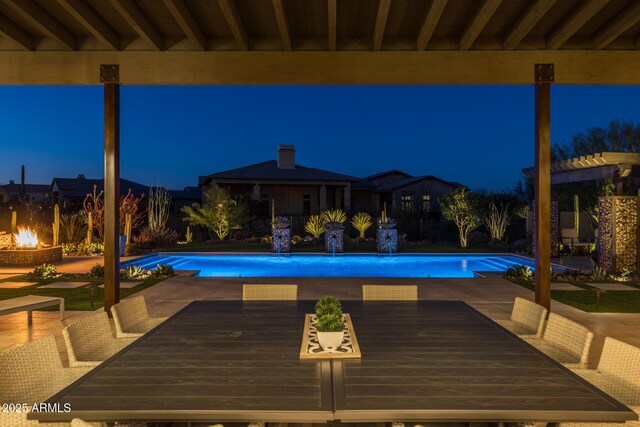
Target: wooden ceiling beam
(43,21)
(576,20)
(526,22)
(431,19)
(332,24)
(130,11)
(92,21)
(618,25)
(478,22)
(283,23)
(381,23)
(187,23)
(11,31)
(232,16)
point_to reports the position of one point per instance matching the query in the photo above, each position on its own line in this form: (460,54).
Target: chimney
(286,156)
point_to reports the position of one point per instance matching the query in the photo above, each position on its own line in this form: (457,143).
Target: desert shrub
(82,249)
(44,271)
(72,229)
(156,237)
(522,272)
(164,270)
(134,272)
(97,271)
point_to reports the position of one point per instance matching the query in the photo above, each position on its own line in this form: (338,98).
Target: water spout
(278,244)
(333,245)
(389,243)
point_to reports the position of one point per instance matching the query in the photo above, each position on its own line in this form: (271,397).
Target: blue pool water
(352,265)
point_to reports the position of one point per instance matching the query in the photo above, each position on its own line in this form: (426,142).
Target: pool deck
(491,295)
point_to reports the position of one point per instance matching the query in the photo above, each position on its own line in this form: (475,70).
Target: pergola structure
(594,166)
(320,42)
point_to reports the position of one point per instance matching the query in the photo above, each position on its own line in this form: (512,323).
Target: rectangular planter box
(30,257)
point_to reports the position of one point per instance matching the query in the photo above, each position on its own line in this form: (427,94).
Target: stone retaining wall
(30,257)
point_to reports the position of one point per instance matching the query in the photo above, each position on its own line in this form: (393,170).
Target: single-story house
(302,191)
(33,193)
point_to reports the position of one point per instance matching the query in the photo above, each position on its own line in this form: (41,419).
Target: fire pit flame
(26,238)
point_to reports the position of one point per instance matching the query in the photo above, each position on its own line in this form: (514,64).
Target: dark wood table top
(445,361)
(215,361)
(230,361)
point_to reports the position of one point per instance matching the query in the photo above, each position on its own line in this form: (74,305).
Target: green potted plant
(329,326)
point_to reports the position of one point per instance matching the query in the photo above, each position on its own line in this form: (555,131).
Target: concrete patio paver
(15,285)
(125,285)
(613,286)
(64,285)
(561,286)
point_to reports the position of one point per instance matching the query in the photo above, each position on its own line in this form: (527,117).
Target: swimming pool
(320,265)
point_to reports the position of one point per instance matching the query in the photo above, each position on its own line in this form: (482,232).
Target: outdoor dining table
(233,361)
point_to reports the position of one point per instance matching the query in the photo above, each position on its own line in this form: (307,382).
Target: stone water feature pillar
(555,227)
(618,228)
(281,240)
(332,235)
(386,236)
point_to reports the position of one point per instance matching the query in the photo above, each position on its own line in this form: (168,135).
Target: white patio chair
(33,373)
(527,319)
(269,292)
(566,341)
(131,318)
(389,292)
(90,341)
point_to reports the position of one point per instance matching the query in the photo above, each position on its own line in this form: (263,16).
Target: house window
(306,204)
(426,203)
(406,202)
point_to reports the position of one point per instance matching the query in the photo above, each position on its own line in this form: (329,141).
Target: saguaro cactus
(89,228)
(14,222)
(127,228)
(56,225)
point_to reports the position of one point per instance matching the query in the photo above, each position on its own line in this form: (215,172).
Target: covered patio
(540,43)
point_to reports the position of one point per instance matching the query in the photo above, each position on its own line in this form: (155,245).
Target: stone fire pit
(30,257)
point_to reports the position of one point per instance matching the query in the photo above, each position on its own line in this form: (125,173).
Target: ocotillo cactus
(14,222)
(56,225)
(89,228)
(127,227)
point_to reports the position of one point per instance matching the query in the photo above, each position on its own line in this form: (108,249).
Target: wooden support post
(544,75)
(109,76)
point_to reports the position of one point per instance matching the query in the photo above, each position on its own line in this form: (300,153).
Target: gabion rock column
(387,239)
(281,238)
(334,236)
(618,227)
(555,227)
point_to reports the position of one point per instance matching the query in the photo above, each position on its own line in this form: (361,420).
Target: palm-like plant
(361,222)
(315,226)
(334,217)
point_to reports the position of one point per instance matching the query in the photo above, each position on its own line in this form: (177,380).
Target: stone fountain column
(281,240)
(331,235)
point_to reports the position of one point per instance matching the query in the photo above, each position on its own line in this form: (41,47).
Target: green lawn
(74,299)
(586,300)
(348,247)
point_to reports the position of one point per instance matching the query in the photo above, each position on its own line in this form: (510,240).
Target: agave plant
(134,272)
(315,226)
(599,273)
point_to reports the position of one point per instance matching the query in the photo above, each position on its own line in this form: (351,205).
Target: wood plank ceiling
(318,25)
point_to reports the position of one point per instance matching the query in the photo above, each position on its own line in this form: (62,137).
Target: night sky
(481,136)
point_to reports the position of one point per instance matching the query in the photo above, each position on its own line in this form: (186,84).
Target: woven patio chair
(389,293)
(131,318)
(33,373)
(269,292)
(564,340)
(527,319)
(90,341)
